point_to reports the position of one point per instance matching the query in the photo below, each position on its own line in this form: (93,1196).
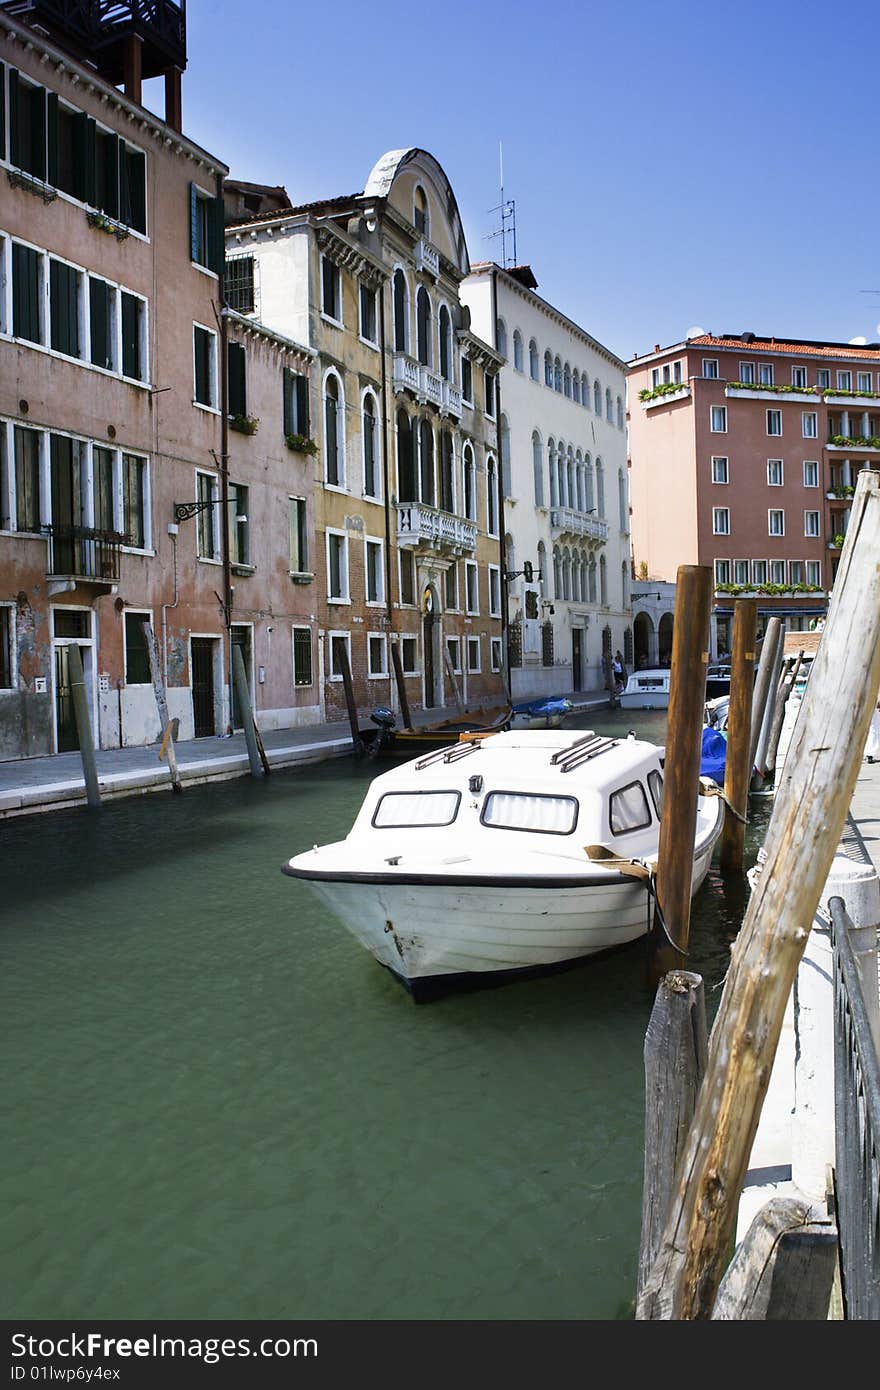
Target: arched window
(334,431)
(576,388)
(619,413)
(406,469)
(469,482)
(557,375)
(542,567)
(421,217)
(566,574)
(600,488)
(575,575)
(426,462)
(445,325)
(584,572)
(370,445)
(517,351)
(491,496)
(551,466)
(597,399)
(501,336)
(534,360)
(557,573)
(585,391)
(570,481)
(609,409)
(504,435)
(423,326)
(548,369)
(603,582)
(621,500)
(579,482)
(588,492)
(447,473)
(566,381)
(401,312)
(592,579)
(538,468)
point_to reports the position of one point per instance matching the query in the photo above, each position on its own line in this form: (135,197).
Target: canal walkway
(45,784)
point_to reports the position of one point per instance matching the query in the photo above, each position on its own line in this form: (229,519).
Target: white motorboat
(646,690)
(514,852)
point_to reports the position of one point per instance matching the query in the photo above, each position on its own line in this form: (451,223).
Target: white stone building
(566,497)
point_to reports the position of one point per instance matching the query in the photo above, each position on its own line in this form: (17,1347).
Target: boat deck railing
(583,750)
(449,755)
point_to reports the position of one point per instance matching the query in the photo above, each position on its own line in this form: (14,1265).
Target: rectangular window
(26,293)
(377,655)
(27,125)
(28,493)
(296,403)
(137,660)
(205,366)
(375,572)
(369,328)
(409,656)
(238,281)
(765,373)
(494,591)
(102,324)
(774,422)
(718,419)
(206,223)
(777,571)
(490,393)
(467,380)
(710,368)
(814,572)
(340,654)
(473,655)
(629,809)
(720,472)
(809,424)
(134,500)
(811,523)
(236,388)
(6,652)
(104,481)
(471,592)
(299,551)
(453,647)
(400,809)
(133,188)
(799,377)
(863,381)
(133,310)
(239,541)
(747,373)
(407,577)
(774,472)
(452,588)
(65,289)
(811,473)
(495,650)
(759,571)
(776,522)
(676,371)
(844,381)
(823,378)
(331,289)
(721,521)
(795,572)
(740,571)
(666,377)
(206,494)
(655,378)
(541,814)
(722,572)
(302,656)
(337,567)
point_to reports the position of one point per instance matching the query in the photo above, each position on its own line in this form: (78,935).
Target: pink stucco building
(744,452)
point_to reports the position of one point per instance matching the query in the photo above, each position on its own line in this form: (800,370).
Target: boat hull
(658,699)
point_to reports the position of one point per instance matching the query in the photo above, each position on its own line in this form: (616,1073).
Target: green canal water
(216,1105)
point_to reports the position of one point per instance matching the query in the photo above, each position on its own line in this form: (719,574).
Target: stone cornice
(551,312)
(478,351)
(349,255)
(253,328)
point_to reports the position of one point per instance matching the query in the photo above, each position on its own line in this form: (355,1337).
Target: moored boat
(513,852)
(647,689)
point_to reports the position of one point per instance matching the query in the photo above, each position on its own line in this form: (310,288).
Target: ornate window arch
(334,429)
(444,324)
(538,468)
(576,387)
(600,487)
(548,369)
(407,483)
(427,491)
(597,399)
(517,351)
(447,472)
(400,293)
(491,495)
(551,465)
(557,374)
(370,457)
(424,321)
(534,360)
(501,336)
(609,408)
(469,481)
(566,381)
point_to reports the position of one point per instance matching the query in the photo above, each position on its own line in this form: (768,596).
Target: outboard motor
(384,718)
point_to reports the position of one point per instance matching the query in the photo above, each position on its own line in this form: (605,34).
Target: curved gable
(395,177)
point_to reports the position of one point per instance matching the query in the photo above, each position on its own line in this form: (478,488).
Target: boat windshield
(629,809)
(398,809)
(549,815)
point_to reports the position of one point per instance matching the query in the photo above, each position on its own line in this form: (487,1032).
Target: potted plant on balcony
(301,443)
(244,424)
(837,542)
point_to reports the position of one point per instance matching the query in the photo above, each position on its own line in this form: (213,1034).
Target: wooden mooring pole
(456,692)
(239,675)
(83,726)
(764,683)
(738,768)
(681,773)
(357,742)
(809,810)
(167,745)
(401,684)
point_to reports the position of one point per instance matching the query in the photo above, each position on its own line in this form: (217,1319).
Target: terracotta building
(744,450)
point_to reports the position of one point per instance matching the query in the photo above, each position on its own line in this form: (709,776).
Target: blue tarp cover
(714,755)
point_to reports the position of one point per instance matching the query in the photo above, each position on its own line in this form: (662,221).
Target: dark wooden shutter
(202,366)
(108,189)
(14,126)
(131,365)
(193,223)
(302,405)
(236,393)
(52,138)
(64,327)
(2,111)
(287,388)
(84,157)
(25,293)
(37,161)
(99,314)
(216,241)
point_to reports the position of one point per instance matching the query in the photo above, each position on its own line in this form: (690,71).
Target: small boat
(717,682)
(541,714)
(646,690)
(388,738)
(516,852)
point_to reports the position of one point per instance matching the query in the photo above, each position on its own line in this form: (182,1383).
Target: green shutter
(287,397)
(84,136)
(193,223)
(302,405)
(216,241)
(14,127)
(52,138)
(130,344)
(64,333)
(2,111)
(236,402)
(101,354)
(25,293)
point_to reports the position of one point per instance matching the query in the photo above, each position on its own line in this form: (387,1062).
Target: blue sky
(673,166)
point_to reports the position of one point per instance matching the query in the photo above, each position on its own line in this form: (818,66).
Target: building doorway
(664,639)
(242,637)
(72,627)
(577,659)
(204,705)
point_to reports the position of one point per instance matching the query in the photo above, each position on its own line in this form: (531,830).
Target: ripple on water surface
(219,1106)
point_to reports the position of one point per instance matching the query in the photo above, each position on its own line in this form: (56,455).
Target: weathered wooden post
(357,742)
(738,769)
(769,710)
(791,675)
(239,675)
(675,1060)
(167,748)
(459,703)
(401,684)
(765,682)
(681,772)
(809,811)
(83,726)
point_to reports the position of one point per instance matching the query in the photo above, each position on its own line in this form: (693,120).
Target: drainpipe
(224,473)
(505,645)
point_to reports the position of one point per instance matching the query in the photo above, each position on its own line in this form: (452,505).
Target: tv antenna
(506,210)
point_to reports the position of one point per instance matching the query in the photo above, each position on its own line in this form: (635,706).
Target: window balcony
(428,258)
(405,373)
(429,528)
(84,555)
(430,386)
(666,394)
(451,402)
(567,521)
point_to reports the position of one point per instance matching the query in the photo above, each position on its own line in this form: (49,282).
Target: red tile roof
(791,347)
